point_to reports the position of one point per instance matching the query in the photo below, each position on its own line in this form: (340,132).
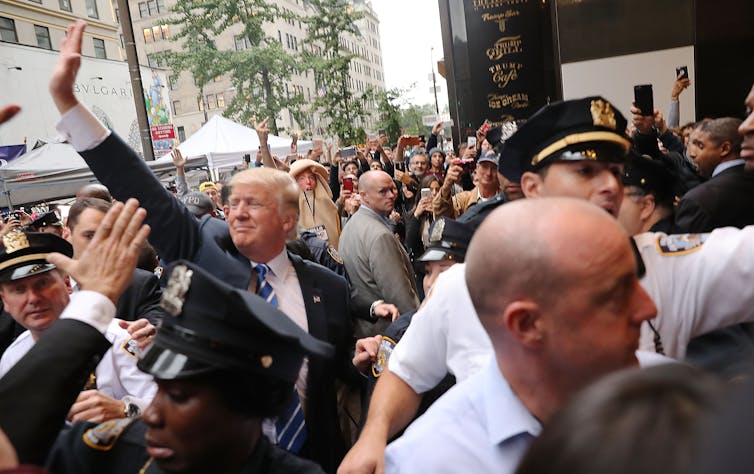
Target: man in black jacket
(263,210)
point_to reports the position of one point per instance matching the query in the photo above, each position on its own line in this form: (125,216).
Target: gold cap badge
(603,114)
(15,241)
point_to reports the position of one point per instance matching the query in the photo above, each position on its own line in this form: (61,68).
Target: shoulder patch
(103,436)
(334,254)
(383,355)
(131,347)
(680,244)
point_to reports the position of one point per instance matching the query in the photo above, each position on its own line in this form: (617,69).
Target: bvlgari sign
(505,58)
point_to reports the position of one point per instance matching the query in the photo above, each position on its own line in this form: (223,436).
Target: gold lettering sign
(500,18)
(603,114)
(488,4)
(517,101)
(505,46)
(504,73)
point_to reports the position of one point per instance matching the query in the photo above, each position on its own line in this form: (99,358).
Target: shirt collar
(727,165)
(279,265)
(507,417)
(368,209)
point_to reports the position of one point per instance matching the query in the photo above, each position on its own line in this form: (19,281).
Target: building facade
(192,108)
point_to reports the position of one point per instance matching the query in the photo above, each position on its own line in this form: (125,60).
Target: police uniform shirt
(116,375)
(699,282)
(444,336)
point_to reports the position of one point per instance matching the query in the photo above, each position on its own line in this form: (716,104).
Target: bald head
(372,179)
(94,190)
(527,249)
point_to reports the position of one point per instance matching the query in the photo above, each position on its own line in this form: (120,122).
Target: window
(8,30)
(91,9)
(220,101)
(181,134)
(122,42)
(152,60)
(211,101)
(161,6)
(148,35)
(65,5)
(152,7)
(156,34)
(242,42)
(99,48)
(143,9)
(117,16)
(201,104)
(43,37)
(165,31)
(176,107)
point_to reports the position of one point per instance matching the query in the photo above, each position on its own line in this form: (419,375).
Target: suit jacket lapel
(313,299)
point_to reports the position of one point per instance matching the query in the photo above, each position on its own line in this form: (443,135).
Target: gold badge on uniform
(603,114)
(175,293)
(15,241)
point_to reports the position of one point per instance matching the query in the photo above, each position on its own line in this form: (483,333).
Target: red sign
(163,132)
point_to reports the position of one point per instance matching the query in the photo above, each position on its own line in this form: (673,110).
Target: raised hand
(178,160)
(64,74)
(262,131)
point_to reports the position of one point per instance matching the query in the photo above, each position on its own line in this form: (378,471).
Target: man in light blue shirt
(562,304)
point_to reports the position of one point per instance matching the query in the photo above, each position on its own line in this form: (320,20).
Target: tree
(328,56)
(388,107)
(258,68)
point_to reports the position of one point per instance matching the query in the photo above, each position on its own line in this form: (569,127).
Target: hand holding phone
(471,142)
(425,193)
(644,99)
(348,184)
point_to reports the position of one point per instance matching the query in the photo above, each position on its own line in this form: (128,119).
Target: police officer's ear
(532,184)
(648,206)
(522,320)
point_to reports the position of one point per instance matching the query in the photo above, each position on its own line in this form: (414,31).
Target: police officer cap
(212,326)
(448,240)
(49,218)
(198,203)
(572,130)
(24,254)
(652,176)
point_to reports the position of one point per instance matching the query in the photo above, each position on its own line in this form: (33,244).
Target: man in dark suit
(725,199)
(263,210)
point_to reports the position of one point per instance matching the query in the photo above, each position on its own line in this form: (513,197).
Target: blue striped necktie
(290,427)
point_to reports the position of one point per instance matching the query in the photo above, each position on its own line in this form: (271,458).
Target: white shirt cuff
(82,128)
(91,308)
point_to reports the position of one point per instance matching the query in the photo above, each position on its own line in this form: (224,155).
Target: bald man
(561,309)
(94,190)
(376,262)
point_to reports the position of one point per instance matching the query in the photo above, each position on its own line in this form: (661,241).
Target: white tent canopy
(54,171)
(224,142)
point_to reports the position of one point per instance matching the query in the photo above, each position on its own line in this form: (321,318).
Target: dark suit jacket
(724,200)
(177,234)
(36,394)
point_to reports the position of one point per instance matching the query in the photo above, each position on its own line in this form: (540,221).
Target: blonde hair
(279,182)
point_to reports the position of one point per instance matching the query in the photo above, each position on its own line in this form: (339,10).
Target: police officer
(49,221)
(225,361)
(648,196)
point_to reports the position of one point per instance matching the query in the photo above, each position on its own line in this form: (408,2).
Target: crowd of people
(565,294)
